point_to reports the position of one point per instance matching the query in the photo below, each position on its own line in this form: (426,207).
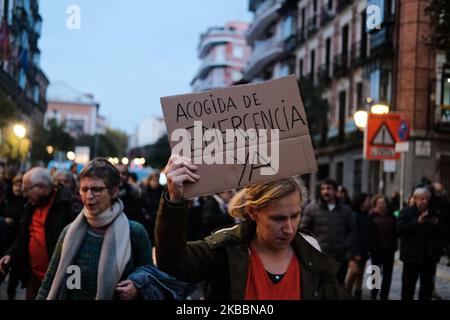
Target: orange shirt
(260,287)
(39,258)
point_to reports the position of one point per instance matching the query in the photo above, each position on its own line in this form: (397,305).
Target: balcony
(264,52)
(265,14)
(359,53)
(290,44)
(208,64)
(326,15)
(340,65)
(312,27)
(199,85)
(214,37)
(342,4)
(324,74)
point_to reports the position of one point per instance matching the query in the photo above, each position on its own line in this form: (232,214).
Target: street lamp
(49,149)
(71,155)
(20,131)
(379,108)
(360,118)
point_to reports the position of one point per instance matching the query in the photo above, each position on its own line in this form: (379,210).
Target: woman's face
(380,205)
(95,195)
(277,224)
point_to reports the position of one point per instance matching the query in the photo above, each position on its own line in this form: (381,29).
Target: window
(330,5)
(340,172)
(328,53)
(345,40)
(287,27)
(302,31)
(300,68)
(220,53)
(236,75)
(342,102)
(313,61)
(238,51)
(375,85)
(359,96)
(218,75)
(446,87)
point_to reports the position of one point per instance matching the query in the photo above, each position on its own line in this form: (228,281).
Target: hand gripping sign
(241,135)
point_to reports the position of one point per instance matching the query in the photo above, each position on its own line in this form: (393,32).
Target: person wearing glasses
(46,213)
(101,242)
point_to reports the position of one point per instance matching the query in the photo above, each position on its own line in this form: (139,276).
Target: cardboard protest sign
(271,117)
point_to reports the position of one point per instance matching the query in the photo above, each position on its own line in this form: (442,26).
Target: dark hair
(133,176)
(358,201)
(102,169)
(330,182)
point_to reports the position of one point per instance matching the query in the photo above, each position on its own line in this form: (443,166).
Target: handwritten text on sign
(228,133)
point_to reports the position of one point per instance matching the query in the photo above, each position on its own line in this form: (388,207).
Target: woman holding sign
(265,257)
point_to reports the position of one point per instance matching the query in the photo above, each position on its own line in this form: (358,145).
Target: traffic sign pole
(402,147)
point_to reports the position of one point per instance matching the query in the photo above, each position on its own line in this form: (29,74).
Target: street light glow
(49,149)
(125,161)
(71,155)
(19,130)
(360,118)
(379,108)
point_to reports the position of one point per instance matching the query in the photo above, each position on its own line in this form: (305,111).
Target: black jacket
(419,242)
(360,245)
(383,233)
(335,230)
(63,211)
(222,259)
(213,217)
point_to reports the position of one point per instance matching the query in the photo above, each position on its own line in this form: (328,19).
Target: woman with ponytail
(264,257)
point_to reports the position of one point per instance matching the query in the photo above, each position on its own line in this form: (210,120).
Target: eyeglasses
(96,191)
(25,190)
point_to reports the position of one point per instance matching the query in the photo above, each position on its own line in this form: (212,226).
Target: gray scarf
(115,254)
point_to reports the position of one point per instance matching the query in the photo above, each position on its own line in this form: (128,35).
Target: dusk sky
(128,54)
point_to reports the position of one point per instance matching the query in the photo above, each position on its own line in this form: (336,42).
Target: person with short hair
(101,241)
(332,222)
(420,245)
(265,256)
(46,213)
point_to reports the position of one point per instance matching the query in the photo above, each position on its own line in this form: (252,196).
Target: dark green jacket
(222,259)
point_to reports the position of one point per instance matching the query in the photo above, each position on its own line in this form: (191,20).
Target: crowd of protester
(237,244)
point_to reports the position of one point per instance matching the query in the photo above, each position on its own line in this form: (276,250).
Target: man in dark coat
(421,245)
(46,214)
(333,224)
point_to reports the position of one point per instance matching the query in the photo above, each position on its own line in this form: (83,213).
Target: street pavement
(442,283)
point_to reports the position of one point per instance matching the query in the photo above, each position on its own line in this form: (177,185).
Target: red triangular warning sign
(383,137)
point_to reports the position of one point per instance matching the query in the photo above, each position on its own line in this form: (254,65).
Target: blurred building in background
(223,53)
(147,132)
(79,112)
(21,78)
